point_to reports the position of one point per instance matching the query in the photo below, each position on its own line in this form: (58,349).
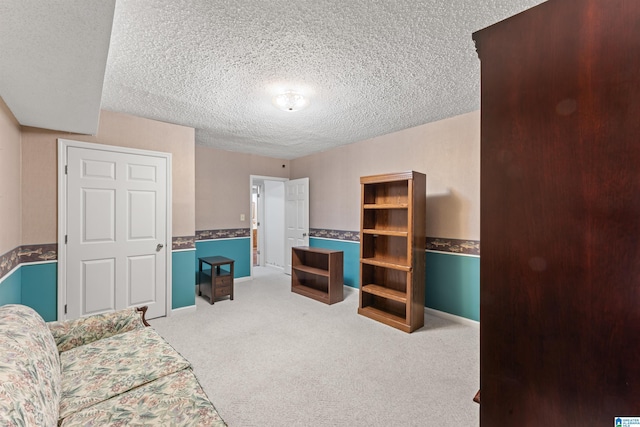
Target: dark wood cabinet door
(560,215)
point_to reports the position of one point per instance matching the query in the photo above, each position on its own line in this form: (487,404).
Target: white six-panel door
(116,250)
(296,216)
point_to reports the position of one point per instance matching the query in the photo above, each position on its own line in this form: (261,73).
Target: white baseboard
(242,279)
(183,310)
(452,317)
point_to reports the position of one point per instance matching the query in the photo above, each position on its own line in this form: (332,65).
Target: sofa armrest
(73,333)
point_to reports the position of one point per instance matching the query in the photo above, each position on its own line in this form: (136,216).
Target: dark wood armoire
(560,215)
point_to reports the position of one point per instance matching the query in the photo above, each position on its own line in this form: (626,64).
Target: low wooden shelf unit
(317,273)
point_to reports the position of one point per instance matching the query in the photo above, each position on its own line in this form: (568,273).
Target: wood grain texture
(318,273)
(560,209)
(392,260)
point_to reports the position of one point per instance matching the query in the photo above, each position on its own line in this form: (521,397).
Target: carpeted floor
(275,358)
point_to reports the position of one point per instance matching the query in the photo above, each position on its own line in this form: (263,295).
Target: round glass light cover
(290,101)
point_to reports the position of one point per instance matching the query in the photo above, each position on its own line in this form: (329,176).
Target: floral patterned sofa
(103,370)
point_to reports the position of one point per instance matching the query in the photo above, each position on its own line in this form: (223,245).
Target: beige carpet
(275,358)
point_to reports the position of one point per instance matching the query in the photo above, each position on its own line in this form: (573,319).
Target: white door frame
(251,184)
(62,214)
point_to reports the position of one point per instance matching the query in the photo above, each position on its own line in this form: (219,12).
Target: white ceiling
(52,61)
(368,67)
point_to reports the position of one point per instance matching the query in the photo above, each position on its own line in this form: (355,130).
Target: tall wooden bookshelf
(392,249)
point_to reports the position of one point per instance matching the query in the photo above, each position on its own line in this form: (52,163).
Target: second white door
(296,216)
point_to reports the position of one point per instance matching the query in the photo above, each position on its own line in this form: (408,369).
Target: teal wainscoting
(11,287)
(40,289)
(453,284)
(351,253)
(452,281)
(33,285)
(238,249)
(183,284)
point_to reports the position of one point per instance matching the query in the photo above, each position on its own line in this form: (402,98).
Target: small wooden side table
(219,282)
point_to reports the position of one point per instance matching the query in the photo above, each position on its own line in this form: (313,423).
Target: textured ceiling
(368,67)
(52,59)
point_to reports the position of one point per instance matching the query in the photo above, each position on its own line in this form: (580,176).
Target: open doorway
(267,222)
(257,214)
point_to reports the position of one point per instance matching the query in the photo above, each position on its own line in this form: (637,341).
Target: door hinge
(66,169)
(65,239)
(65,309)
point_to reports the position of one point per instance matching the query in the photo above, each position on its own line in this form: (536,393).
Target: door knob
(304,234)
(160,246)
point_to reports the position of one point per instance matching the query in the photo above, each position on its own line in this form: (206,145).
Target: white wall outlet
(241,217)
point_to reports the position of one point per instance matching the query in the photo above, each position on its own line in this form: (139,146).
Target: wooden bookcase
(392,249)
(317,273)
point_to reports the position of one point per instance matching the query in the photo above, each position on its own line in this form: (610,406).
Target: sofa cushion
(29,369)
(174,400)
(73,333)
(108,367)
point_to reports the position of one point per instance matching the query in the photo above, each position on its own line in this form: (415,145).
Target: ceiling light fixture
(290,101)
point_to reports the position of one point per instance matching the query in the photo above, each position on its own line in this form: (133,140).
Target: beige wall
(211,186)
(447,151)
(10,195)
(223,188)
(39,163)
